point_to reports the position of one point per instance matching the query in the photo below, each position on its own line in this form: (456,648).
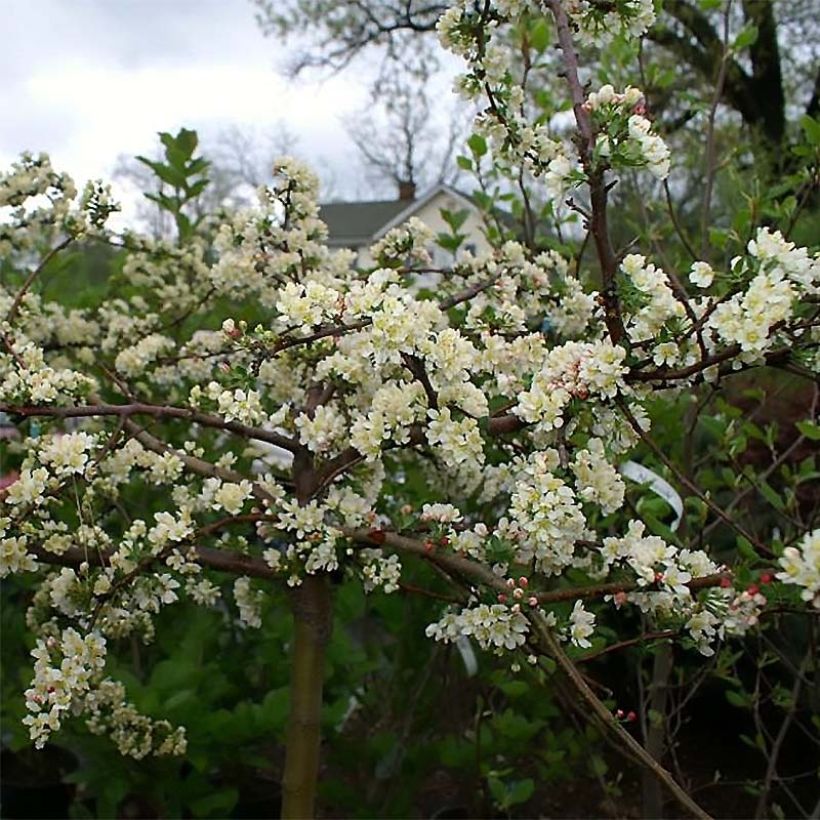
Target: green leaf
(809,429)
(540,35)
(197,166)
(741,700)
(746,38)
(167,203)
(464,162)
(477,144)
(455,219)
(745,548)
(184,226)
(811,128)
(166,173)
(197,188)
(520,791)
(216,804)
(187,141)
(768,492)
(449,243)
(484,201)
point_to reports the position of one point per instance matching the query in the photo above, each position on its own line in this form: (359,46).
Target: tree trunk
(312,621)
(656,729)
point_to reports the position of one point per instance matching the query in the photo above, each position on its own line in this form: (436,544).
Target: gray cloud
(88,80)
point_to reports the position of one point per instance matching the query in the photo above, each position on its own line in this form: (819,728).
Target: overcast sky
(88,80)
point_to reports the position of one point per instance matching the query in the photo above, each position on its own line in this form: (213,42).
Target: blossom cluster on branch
(279,437)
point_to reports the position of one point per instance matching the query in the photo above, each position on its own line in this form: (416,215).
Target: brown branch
(219,560)
(626,742)
(15,305)
(142,408)
(595,176)
(616,647)
(194,464)
(614,587)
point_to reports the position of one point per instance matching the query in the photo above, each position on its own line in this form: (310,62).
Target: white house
(357,225)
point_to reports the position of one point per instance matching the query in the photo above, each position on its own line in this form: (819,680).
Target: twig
(15,305)
(627,742)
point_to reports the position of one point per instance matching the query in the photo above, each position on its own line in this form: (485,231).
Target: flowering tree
(247,406)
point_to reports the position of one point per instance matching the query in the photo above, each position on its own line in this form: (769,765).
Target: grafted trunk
(312,622)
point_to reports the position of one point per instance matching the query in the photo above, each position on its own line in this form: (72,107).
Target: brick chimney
(407,190)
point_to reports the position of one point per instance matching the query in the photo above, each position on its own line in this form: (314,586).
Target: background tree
(777,81)
(405,138)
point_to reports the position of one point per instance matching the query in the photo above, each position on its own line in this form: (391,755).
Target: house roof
(356,223)
(351,224)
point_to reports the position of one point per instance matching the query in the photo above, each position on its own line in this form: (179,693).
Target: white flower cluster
(596,478)
(249,602)
(441,513)
(322,428)
(660,305)
(67,454)
(721,614)
(14,557)
(749,317)
(654,561)
(546,520)
(64,672)
(458,440)
(380,571)
(35,204)
(25,378)
(239,405)
(160,468)
(225,495)
(575,370)
(308,306)
(406,245)
(663,574)
(107,711)
(495,627)
(598,23)
(801,566)
(773,251)
(626,135)
(133,361)
(581,626)
(393,409)
(29,489)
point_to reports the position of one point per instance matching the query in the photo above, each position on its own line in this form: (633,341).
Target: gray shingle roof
(355,223)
